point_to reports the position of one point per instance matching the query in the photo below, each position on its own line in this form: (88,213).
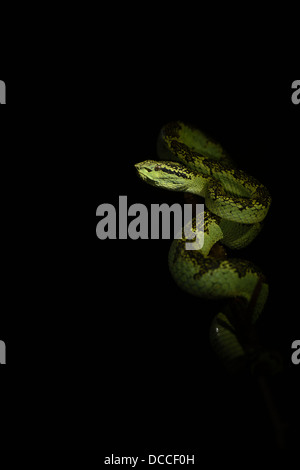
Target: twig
(273,412)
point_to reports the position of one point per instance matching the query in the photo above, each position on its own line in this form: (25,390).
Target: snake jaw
(165,174)
(144,170)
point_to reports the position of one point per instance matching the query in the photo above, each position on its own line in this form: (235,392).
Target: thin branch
(273,412)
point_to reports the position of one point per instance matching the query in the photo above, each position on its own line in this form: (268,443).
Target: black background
(103,350)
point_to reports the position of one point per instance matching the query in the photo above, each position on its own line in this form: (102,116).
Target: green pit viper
(235,206)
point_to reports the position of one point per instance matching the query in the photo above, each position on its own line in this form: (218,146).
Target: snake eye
(157,167)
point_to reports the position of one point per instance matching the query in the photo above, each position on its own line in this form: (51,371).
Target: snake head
(165,174)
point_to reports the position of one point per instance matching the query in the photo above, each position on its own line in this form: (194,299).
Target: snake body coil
(235,206)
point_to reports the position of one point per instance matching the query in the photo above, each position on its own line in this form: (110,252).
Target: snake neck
(198,185)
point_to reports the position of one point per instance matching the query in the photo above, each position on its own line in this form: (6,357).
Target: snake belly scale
(235,206)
